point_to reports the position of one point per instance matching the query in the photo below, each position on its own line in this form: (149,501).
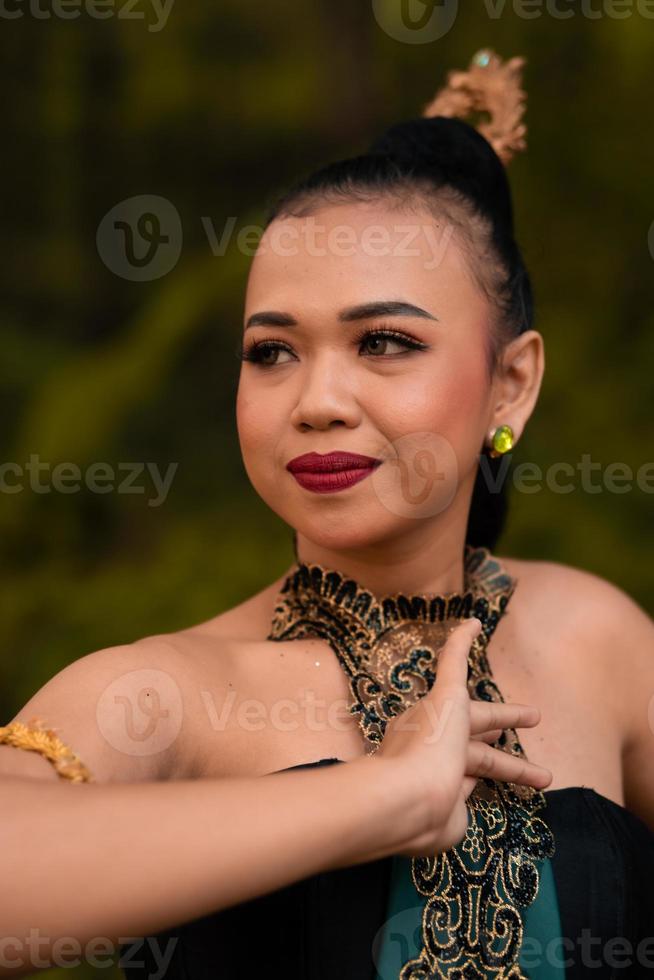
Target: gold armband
(44,740)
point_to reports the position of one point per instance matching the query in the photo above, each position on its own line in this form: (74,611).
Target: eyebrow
(365,311)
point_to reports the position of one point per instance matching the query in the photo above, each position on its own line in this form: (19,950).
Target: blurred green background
(216,110)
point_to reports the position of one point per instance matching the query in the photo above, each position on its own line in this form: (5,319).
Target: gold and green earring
(501,441)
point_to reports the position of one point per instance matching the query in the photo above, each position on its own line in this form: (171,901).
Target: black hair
(446,165)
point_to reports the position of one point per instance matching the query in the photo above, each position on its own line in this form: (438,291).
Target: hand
(438,748)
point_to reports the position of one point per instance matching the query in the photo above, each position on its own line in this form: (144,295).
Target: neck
(431,567)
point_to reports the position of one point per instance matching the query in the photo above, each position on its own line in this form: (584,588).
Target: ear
(517,383)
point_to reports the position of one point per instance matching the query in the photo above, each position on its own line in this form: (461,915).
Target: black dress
(593,916)
(546,886)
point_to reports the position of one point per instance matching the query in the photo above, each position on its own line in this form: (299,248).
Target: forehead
(354,252)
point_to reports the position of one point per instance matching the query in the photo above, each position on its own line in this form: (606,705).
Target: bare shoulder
(607,643)
(571,595)
(555,576)
(136,711)
(120,709)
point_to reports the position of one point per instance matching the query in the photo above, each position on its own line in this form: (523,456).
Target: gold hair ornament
(491,86)
(44,740)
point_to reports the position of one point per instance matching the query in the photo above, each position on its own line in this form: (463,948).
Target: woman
(385,464)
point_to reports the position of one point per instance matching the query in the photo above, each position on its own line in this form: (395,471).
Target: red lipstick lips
(331,472)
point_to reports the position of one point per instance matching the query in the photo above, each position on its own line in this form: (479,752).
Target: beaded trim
(388,647)
(44,740)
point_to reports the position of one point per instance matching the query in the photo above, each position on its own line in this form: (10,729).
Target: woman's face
(317,286)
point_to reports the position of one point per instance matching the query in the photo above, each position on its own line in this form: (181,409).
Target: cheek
(254,418)
(434,426)
(255,439)
(450,402)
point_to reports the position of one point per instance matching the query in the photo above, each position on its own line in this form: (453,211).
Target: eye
(256,353)
(261,352)
(387,336)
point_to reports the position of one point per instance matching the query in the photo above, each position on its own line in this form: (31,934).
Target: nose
(326,396)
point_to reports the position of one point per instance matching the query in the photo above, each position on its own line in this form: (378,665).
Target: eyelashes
(256,351)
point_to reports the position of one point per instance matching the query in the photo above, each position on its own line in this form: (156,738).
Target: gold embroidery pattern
(472,928)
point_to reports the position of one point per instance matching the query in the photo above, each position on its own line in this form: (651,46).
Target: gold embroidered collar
(388,647)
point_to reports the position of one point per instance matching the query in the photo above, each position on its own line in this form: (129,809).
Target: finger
(468,784)
(489,763)
(490,736)
(452,666)
(449,699)
(485,715)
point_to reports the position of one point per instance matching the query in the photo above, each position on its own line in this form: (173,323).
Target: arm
(127,858)
(121,860)
(138,849)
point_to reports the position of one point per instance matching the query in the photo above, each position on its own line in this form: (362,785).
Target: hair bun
(448,150)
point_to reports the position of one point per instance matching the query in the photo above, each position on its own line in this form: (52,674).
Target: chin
(339,534)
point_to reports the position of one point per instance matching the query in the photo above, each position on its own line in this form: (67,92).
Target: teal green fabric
(541,950)
(402,936)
